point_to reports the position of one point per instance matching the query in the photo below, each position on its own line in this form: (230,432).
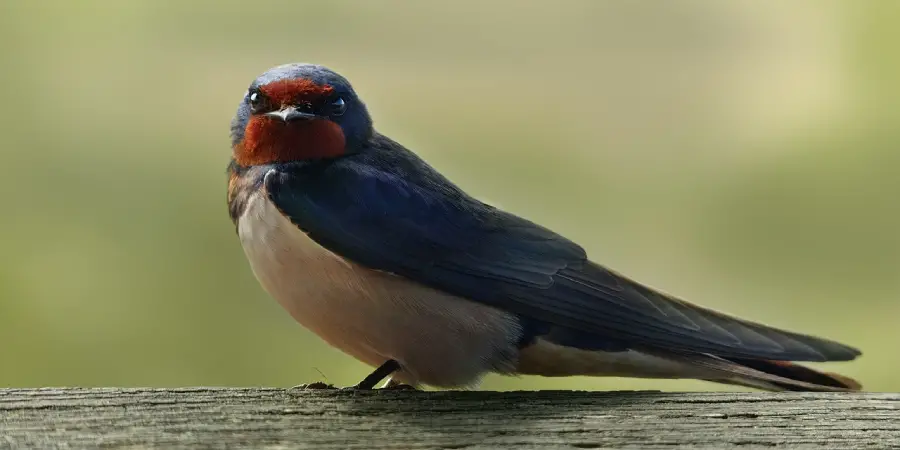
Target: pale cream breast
(439,339)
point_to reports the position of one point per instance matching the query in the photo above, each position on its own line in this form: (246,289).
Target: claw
(400,387)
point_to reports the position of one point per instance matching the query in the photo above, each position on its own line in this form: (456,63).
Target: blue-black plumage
(385,258)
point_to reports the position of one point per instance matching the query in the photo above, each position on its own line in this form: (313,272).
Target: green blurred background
(743,155)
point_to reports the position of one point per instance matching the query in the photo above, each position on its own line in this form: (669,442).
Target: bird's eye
(256,100)
(338,106)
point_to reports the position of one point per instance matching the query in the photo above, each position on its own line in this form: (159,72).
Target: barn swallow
(383,257)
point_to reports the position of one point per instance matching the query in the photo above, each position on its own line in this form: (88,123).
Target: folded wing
(438,236)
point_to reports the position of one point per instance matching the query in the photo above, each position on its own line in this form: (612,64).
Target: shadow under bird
(380,255)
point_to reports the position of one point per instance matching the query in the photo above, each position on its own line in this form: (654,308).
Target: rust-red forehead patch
(289,91)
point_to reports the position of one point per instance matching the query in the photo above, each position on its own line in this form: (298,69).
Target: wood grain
(328,419)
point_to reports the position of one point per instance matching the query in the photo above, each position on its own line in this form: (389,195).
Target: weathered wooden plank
(278,418)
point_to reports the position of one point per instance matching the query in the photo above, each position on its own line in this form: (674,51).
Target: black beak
(290,114)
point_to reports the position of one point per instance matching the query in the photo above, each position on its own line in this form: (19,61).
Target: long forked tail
(553,360)
(771,375)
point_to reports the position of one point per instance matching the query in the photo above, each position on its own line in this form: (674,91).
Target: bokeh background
(743,155)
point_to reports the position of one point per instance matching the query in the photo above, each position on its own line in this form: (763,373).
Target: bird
(383,257)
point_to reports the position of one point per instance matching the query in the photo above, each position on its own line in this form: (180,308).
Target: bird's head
(298,112)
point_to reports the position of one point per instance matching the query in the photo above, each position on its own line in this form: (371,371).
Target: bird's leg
(390,366)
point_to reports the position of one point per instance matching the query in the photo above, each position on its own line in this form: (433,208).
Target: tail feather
(770,375)
(798,372)
(553,360)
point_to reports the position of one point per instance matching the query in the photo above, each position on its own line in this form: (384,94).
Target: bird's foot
(386,387)
(400,387)
(315,385)
(390,366)
(368,383)
(394,385)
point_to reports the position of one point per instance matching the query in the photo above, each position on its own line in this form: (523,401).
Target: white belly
(438,339)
